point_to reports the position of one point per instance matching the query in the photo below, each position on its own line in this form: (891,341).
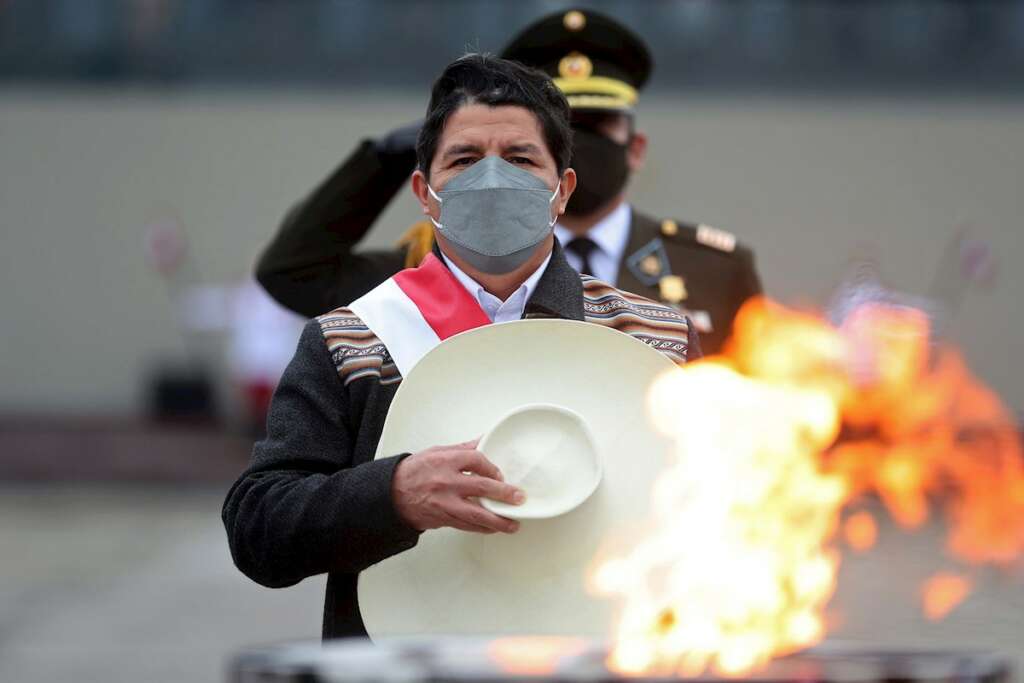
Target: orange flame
(942,593)
(860,531)
(533,655)
(771,441)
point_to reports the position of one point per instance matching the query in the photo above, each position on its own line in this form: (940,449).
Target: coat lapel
(642,231)
(559,292)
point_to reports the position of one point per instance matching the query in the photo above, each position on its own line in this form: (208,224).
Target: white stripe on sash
(394,318)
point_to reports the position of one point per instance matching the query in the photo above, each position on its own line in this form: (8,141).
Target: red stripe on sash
(442,300)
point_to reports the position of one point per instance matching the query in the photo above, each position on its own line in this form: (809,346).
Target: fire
(942,593)
(772,442)
(533,655)
(860,531)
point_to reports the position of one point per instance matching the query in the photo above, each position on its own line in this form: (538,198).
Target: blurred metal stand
(574,660)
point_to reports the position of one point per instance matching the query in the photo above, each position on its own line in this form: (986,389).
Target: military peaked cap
(596,62)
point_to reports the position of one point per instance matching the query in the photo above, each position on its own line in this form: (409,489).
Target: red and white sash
(417,309)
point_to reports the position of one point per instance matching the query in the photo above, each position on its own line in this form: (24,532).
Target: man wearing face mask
(492,176)
(312,264)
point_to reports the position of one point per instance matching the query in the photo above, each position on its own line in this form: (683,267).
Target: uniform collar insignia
(649,263)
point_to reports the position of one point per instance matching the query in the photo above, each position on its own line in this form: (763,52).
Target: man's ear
(636,153)
(419,188)
(565,189)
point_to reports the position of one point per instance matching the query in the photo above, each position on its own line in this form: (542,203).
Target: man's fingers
(456,523)
(463,446)
(477,463)
(472,513)
(483,487)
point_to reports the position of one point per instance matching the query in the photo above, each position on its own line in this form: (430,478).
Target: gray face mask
(494,215)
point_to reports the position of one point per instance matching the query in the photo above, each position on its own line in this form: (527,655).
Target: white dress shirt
(497,310)
(611,235)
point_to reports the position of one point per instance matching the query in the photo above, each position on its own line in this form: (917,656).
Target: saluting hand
(438,487)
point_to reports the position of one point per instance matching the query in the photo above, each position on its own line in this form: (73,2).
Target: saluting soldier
(311,265)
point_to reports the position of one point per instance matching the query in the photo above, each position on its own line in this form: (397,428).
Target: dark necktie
(582,247)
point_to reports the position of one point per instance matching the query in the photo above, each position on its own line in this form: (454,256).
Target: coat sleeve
(694,352)
(310,266)
(303,507)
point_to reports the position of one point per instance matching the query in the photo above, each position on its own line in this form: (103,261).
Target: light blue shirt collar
(497,310)
(611,234)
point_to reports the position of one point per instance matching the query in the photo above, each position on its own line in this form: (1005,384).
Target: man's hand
(436,488)
(400,143)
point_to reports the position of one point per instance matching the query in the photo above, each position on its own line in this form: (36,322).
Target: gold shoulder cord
(418,242)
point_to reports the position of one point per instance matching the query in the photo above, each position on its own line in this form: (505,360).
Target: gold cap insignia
(575,66)
(574,20)
(715,238)
(669,228)
(672,289)
(651,265)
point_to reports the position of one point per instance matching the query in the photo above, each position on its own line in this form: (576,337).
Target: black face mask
(601,171)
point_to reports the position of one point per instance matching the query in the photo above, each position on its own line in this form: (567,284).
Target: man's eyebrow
(523,148)
(455,150)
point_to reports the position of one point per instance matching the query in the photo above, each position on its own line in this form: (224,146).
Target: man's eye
(463,161)
(520,160)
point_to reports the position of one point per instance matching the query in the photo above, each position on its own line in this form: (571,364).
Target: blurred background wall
(818,132)
(809,180)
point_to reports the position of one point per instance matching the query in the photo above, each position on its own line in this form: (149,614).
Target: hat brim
(534,581)
(587,102)
(597,93)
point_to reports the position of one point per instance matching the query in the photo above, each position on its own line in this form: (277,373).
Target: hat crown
(576,45)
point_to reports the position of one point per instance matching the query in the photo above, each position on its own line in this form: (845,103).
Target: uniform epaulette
(418,241)
(716,239)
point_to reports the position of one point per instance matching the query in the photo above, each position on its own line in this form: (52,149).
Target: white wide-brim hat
(534,581)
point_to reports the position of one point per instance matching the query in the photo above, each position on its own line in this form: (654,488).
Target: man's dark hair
(485,79)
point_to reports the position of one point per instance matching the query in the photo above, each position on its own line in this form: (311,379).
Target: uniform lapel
(641,231)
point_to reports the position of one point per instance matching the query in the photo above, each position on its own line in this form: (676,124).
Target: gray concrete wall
(807,182)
